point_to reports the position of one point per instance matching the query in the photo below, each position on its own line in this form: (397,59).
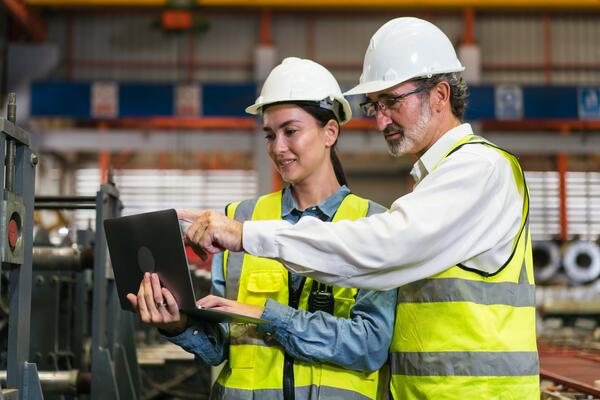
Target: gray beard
(399,147)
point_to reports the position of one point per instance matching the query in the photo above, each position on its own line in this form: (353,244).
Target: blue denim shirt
(360,342)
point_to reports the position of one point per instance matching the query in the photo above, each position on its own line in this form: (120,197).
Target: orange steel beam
(185,123)
(547,49)
(333,4)
(562,163)
(27,19)
(469,26)
(360,124)
(562,166)
(539,125)
(357,124)
(164,160)
(103,156)
(104,163)
(265,28)
(159,64)
(537,66)
(351,65)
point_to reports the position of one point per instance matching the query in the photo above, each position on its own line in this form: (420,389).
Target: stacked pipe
(580,261)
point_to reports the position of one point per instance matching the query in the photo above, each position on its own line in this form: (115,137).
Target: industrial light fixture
(179,17)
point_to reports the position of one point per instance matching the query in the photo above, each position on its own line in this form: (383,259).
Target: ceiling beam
(359,142)
(28,20)
(344,4)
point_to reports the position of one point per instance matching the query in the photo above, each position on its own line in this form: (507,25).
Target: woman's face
(298,145)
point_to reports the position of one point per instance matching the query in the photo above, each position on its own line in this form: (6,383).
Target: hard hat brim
(371,87)
(376,86)
(255,109)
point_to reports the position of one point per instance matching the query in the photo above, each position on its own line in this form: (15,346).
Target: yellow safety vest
(255,369)
(465,334)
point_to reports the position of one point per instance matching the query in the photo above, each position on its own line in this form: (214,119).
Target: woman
(321,342)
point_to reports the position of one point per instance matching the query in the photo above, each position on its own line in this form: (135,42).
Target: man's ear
(332,130)
(439,96)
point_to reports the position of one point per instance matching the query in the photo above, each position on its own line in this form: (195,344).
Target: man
(458,246)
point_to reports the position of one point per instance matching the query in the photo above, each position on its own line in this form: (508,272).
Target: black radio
(321,298)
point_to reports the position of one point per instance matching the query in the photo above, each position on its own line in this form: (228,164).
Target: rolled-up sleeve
(205,341)
(359,342)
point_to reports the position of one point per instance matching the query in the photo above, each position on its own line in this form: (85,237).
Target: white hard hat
(403,49)
(297,79)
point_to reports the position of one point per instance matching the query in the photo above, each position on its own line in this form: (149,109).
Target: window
(583,204)
(144,190)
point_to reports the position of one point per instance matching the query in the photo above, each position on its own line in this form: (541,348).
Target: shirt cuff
(278,315)
(258,237)
(200,343)
(183,338)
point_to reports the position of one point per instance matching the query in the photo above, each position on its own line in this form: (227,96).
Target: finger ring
(160,304)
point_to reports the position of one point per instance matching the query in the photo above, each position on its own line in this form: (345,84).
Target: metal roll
(546,260)
(581,261)
(70,382)
(62,258)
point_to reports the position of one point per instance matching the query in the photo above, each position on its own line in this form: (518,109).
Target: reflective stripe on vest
(255,367)
(233,260)
(469,334)
(465,363)
(302,392)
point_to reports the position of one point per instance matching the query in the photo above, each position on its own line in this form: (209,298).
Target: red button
(13,233)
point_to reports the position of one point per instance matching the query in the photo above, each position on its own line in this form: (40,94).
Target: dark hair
(459,92)
(323,116)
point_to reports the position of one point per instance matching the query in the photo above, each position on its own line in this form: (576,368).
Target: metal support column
(16,234)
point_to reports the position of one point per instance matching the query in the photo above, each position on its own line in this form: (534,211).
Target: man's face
(404,124)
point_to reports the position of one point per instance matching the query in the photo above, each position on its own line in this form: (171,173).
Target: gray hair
(459,92)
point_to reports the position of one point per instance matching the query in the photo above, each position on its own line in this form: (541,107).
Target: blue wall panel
(72,99)
(550,102)
(145,100)
(60,99)
(227,100)
(481,103)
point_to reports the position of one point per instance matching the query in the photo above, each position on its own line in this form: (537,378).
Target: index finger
(198,223)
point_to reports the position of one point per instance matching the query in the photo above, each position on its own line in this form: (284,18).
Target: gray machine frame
(17,203)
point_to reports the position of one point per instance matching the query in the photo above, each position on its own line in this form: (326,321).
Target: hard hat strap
(334,106)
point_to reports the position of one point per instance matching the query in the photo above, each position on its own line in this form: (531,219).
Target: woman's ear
(331,129)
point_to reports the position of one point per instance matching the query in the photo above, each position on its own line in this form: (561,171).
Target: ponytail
(337,167)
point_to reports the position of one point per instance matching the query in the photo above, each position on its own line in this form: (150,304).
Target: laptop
(153,242)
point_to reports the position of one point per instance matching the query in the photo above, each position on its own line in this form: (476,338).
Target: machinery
(64,332)
(16,228)
(83,334)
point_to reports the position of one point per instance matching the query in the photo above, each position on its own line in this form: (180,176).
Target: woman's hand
(221,304)
(212,232)
(157,306)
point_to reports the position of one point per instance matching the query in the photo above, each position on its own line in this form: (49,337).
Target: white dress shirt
(467,210)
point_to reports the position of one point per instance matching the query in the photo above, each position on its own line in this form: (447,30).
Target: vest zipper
(288,362)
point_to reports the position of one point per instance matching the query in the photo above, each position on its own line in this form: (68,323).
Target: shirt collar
(428,161)
(328,206)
